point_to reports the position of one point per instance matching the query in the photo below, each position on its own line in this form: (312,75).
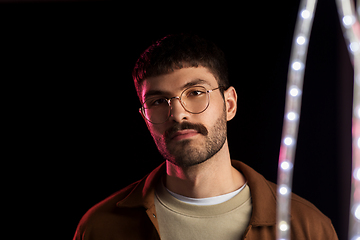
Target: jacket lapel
(143,193)
(262,195)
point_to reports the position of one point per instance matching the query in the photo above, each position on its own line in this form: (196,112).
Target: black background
(70,65)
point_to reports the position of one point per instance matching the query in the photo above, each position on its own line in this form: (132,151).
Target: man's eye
(195,93)
(158,102)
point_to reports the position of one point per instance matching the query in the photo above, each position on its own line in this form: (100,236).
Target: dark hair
(180,51)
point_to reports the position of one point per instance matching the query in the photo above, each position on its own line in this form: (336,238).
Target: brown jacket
(130,213)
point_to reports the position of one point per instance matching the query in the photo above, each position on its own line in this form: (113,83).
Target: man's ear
(230,98)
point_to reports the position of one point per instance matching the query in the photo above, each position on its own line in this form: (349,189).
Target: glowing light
(283,226)
(283,190)
(350,31)
(357,174)
(286,165)
(292,116)
(354,46)
(294,91)
(288,141)
(296,66)
(357,212)
(348,20)
(305,14)
(300,40)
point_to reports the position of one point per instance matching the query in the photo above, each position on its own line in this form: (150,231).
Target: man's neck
(214,177)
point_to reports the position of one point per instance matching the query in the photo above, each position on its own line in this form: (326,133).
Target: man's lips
(182,134)
(184,130)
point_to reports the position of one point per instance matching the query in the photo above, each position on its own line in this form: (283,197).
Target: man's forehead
(178,80)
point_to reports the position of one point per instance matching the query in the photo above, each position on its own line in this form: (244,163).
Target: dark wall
(72,61)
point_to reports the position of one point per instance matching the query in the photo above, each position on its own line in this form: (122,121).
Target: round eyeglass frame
(168,100)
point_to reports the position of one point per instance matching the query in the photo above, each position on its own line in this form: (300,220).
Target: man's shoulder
(307,219)
(105,214)
(302,207)
(108,204)
(260,187)
(123,213)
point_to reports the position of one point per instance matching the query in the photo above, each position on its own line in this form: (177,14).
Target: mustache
(185,125)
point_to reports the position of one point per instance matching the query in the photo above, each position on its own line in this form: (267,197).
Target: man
(198,192)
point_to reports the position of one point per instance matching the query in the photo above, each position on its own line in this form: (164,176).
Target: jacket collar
(143,193)
(262,194)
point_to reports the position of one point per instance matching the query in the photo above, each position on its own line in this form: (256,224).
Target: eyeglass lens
(194,100)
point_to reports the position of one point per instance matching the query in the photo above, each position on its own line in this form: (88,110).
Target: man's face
(187,139)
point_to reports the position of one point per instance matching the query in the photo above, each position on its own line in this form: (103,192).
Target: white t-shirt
(207,201)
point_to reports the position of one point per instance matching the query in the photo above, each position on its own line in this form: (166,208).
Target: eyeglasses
(195,100)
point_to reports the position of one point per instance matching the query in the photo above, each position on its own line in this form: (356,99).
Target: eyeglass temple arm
(211,90)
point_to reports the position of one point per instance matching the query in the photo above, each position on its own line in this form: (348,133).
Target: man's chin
(185,155)
(187,162)
(175,148)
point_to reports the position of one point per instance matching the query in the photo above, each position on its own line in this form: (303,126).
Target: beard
(189,152)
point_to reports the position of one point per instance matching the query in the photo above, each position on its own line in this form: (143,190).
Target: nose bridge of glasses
(170,103)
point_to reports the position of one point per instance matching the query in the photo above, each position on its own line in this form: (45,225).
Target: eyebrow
(189,84)
(196,82)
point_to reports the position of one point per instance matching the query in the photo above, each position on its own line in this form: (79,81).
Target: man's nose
(177,111)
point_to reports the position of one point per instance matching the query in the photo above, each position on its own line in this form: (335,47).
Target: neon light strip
(292,114)
(351,30)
